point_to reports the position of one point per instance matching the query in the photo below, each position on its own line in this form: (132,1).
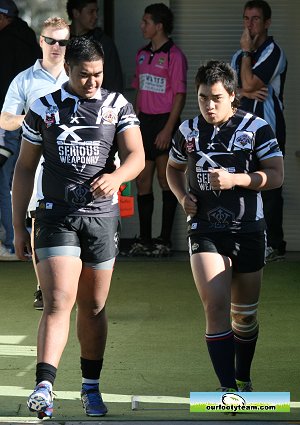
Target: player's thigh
(57,252)
(248,267)
(58,277)
(212,276)
(246,287)
(93,288)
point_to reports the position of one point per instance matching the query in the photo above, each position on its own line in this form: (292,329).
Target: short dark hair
(77,4)
(260,4)
(216,71)
(161,14)
(83,49)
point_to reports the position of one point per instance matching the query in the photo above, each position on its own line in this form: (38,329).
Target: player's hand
(105,185)
(260,95)
(163,139)
(248,43)
(22,244)
(221,179)
(189,204)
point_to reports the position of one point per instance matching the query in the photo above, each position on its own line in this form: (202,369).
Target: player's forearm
(131,167)
(247,77)
(177,182)
(10,121)
(260,180)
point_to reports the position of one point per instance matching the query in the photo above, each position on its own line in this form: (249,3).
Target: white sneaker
(6,254)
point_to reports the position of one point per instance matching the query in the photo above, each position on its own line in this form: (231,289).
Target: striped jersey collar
(66,94)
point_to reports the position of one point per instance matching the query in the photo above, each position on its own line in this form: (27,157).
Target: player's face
(87,18)
(215,103)
(85,78)
(254,22)
(149,27)
(54,53)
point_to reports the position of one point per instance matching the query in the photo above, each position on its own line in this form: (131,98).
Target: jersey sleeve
(127,116)
(31,126)
(15,101)
(178,71)
(267,63)
(266,145)
(178,152)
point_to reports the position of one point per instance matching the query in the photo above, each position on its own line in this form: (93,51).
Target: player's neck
(158,41)
(76,29)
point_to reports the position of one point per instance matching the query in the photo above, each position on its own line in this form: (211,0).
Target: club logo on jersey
(220,218)
(141,59)
(51,116)
(243,140)
(79,196)
(160,62)
(109,115)
(191,140)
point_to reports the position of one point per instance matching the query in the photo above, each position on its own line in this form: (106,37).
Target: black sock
(145,208)
(91,369)
(221,350)
(45,372)
(244,353)
(168,214)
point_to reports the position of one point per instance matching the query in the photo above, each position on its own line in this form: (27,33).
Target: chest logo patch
(51,115)
(244,140)
(191,141)
(141,59)
(109,115)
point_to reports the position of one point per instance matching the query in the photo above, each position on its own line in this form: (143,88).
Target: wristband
(246,54)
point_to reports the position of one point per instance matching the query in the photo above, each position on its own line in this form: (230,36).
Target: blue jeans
(11,140)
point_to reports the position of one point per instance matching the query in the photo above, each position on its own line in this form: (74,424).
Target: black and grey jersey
(238,145)
(78,144)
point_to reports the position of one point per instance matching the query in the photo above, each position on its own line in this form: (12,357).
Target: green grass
(156,342)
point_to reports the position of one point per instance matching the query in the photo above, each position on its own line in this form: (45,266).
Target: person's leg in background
(11,141)
(162,244)
(145,202)
(273,212)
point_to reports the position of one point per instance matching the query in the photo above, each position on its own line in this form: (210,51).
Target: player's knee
(244,319)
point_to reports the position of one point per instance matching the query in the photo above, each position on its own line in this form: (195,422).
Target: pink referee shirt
(159,76)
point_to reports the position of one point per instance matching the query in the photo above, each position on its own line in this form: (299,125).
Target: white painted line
(160,399)
(27,369)
(10,391)
(19,350)
(12,339)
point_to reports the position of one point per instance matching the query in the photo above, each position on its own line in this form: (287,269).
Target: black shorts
(94,239)
(246,250)
(150,126)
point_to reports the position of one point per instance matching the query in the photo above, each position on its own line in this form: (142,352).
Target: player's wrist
(246,53)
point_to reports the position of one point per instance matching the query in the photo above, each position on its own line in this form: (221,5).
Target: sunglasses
(52,41)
